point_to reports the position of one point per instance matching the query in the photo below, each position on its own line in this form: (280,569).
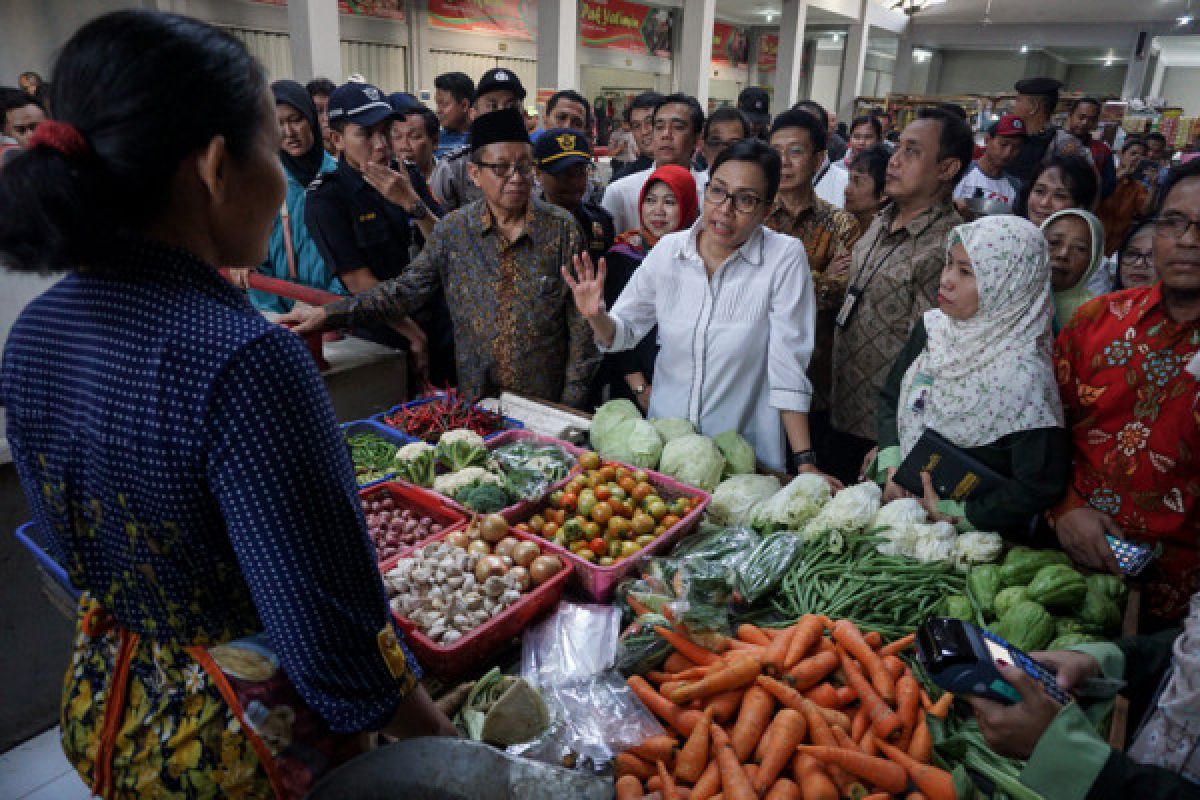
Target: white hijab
(983,378)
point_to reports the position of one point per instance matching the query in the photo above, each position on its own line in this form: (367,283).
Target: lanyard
(850,304)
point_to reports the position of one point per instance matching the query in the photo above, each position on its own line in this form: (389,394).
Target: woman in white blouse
(734,306)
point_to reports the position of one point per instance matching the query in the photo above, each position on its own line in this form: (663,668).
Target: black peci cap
(505,125)
(1044,86)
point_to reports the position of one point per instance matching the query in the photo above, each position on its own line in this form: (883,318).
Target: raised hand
(587,286)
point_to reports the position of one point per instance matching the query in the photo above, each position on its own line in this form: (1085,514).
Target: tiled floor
(38,770)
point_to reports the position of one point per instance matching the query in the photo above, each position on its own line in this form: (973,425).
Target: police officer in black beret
(1037,99)
(368,215)
(564,163)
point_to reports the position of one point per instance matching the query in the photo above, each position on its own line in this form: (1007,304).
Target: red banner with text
(768,52)
(620,25)
(513,19)
(730,46)
(382,9)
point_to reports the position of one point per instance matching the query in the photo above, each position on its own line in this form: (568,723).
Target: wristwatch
(805,458)
(419,210)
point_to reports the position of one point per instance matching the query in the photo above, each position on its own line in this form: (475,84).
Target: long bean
(877,592)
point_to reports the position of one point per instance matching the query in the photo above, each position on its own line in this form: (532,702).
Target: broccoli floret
(485,498)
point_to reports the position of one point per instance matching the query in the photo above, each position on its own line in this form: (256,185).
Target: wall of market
(1181,86)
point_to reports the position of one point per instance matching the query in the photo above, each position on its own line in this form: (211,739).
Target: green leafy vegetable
(739,455)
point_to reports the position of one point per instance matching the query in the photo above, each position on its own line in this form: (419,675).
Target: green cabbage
(958,606)
(1026,626)
(1022,564)
(1007,598)
(693,460)
(607,418)
(735,501)
(1101,612)
(983,583)
(1058,588)
(672,427)
(739,455)
(1110,586)
(633,442)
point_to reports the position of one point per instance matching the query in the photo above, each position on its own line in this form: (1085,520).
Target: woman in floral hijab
(977,370)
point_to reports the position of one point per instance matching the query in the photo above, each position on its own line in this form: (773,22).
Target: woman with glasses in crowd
(734,306)
(1135,258)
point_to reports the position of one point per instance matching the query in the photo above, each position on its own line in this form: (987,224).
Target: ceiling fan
(912,7)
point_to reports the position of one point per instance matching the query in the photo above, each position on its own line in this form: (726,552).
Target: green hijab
(1068,301)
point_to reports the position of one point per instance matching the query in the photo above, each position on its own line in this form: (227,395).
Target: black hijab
(303,168)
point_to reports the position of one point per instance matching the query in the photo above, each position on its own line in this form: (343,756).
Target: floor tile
(32,764)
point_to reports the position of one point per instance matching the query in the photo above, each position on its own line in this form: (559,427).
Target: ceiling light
(1024,48)
(912,7)
(837,37)
(770,17)
(1108,61)
(921,55)
(1186,19)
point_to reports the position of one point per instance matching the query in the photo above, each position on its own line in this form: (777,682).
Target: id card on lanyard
(856,291)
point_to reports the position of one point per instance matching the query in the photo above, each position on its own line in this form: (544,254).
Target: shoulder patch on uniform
(458,153)
(318,181)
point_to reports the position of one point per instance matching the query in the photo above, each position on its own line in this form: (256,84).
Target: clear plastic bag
(569,656)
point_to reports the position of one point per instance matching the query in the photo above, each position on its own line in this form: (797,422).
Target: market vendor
(977,370)
(1067,760)
(497,259)
(1128,375)
(179,451)
(734,306)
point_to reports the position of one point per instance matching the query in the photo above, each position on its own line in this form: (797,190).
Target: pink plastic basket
(598,582)
(422,501)
(488,638)
(525,507)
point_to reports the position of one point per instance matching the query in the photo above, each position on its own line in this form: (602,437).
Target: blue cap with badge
(557,149)
(360,103)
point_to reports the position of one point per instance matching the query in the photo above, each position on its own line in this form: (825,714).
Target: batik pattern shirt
(515,323)
(827,233)
(898,275)
(1133,409)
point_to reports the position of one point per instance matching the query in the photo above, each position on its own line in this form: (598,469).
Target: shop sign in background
(384,9)
(512,19)
(768,51)
(620,25)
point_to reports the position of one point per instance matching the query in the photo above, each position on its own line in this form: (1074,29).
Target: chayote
(1026,626)
(1022,564)
(1007,598)
(982,583)
(1058,588)
(958,606)
(1100,611)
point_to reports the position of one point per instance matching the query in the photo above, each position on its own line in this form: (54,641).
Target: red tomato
(597,545)
(603,493)
(569,501)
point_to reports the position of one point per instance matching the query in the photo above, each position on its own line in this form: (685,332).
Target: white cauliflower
(793,505)
(849,512)
(462,435)
(976,548)
(900,514)
(900,540)
(413,451)
(450,483)
(935,542)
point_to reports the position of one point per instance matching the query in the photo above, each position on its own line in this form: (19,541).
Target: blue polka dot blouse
(183,454)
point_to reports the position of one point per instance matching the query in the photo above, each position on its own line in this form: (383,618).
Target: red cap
(1010,125)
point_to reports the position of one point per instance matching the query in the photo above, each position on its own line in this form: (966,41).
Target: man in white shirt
(986,177)
(678,122)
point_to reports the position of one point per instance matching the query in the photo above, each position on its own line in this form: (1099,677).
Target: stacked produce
(452,586)
(445,412)
(671,446)
(462,468)
(372,457)
(1036,600)
(814,710)
(607,513)
(392,528)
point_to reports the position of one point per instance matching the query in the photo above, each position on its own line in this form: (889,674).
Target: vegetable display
(417,464)
(607,513)
(445,412)
(450,587)
(392,528)
(372,456)
(888,594)
(814,710)
(1045,603)
(481,480)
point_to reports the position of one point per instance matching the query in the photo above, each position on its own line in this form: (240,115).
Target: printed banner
(768,52)
(383,9)
(730,46)
(512,19)
(620,25)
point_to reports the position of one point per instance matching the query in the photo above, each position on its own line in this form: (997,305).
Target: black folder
(956,475)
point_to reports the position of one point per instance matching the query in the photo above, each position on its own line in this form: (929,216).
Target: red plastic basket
(598,582)
(421,501)
(484,641)
(526,507)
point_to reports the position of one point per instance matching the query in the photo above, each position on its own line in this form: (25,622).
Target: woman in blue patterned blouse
(181,451)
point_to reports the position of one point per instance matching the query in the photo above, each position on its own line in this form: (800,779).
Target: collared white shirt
(621,197)
(733,349)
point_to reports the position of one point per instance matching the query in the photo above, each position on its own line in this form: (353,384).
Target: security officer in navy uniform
(498,89)
(563,157)
(1037,100)
(366,215)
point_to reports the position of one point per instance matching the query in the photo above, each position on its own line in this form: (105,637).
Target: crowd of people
(833,299)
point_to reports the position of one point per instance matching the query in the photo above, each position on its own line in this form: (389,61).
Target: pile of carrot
(815,711)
